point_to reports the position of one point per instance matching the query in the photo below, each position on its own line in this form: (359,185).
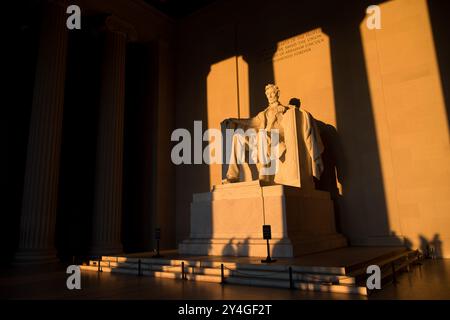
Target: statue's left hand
(228,122)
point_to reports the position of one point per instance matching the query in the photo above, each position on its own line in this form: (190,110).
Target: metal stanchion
(394,276)
(291,282)
(408,268)
(139,268)
(157,238)
(182,271)
(222,274)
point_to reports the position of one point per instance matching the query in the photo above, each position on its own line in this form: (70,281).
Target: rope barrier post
(139,268)
(394,276)
(157,238)
(222,274)
(419,258)
(291,282)
(182,270)
(408,268)
(100,265)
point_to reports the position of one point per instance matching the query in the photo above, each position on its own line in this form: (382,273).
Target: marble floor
(429,281)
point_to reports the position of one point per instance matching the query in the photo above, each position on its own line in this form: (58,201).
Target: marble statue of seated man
(266,148)
(268,122)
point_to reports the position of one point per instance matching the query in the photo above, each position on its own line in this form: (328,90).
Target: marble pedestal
(228,221)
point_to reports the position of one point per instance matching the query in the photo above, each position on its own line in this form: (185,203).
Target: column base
(30,257)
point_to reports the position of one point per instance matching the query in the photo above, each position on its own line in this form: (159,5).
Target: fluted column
(37,228)
(106,237)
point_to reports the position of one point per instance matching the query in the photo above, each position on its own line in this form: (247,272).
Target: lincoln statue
(267,148)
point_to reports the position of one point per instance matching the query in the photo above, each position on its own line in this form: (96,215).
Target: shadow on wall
(438,13)
(333,160)
(239,249)
(431,248)
(354,154)
(356,126)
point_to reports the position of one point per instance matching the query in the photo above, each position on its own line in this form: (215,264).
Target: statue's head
(272,93)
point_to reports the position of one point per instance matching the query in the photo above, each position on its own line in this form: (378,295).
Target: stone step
(277,275)
(348,278)
(230,265)
(239,280)
(400,261)
(301,285)
(258,282)
(387,273)
(380,261)
(333,288)
(157,274)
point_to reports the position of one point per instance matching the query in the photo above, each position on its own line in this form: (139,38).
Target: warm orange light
(410,120)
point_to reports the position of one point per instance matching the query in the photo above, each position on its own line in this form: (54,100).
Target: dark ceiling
(178,8)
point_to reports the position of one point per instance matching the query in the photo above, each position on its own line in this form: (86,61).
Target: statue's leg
(266,160)
(238,147)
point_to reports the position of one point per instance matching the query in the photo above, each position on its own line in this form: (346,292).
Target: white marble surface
(228,221)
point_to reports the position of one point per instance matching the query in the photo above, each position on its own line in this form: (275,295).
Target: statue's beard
(272,99)
(273,102)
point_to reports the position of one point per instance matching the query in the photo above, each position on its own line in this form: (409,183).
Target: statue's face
(272,95)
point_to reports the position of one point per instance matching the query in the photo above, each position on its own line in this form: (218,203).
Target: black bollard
(182,271)
(394,276)
(291,282)
(267,234)
(139,267)
(157,238)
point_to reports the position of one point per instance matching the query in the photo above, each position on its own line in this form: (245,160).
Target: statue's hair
(272,86)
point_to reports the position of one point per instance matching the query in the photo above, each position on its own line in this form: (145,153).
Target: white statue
(228,219)
(271,121)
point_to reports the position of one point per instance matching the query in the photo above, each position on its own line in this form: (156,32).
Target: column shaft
(108,188)
(37,229)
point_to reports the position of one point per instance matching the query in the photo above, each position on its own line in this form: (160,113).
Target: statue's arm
(248,123)
(245,123)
